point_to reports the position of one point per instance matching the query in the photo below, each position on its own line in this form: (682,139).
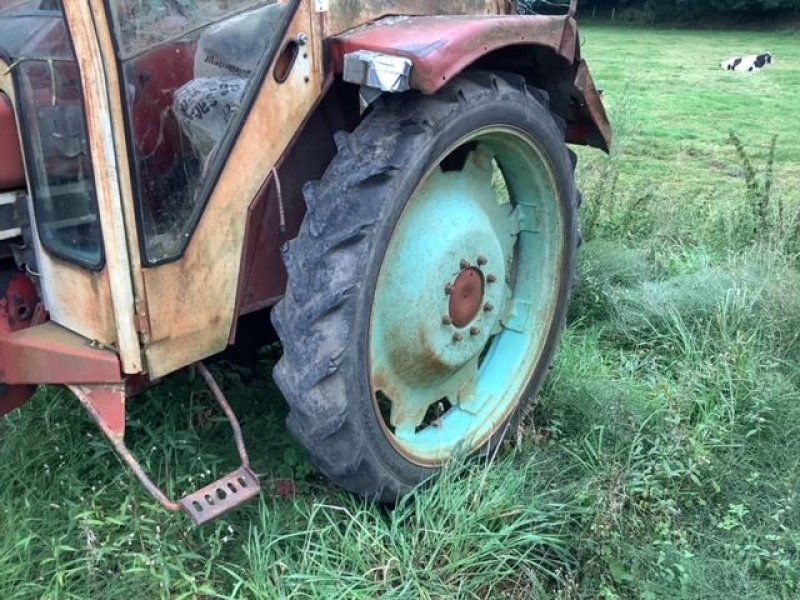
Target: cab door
(205,119)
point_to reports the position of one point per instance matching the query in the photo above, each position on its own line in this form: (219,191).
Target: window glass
(187,69)
(50,101)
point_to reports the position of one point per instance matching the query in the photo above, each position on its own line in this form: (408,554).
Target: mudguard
(544,49)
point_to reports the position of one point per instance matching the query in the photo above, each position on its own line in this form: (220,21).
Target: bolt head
(458,338)
(448,289)
(475,331)
(491,279)
(482,260)
(447,320)
(488,307)
(465,265)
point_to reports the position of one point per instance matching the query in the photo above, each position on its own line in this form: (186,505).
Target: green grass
(663,461)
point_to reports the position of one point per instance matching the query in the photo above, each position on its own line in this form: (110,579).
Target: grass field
(663,461)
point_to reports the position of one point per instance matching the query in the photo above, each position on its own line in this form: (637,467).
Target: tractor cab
(169,167)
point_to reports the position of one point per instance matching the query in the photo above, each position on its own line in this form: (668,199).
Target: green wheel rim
(466,297)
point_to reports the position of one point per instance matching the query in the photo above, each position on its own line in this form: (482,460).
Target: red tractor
(388,179)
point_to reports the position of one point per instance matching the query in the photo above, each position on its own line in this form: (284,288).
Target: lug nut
(488,307)
(491,279)
(475,331)
(482,260)
(448,289)
(458,338)
(447,320)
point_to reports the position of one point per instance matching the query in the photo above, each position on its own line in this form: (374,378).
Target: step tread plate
(222,496)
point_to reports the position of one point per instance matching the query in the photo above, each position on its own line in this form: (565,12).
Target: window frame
(225,145)
(29,160)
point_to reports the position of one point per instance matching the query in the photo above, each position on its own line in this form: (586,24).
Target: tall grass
(477,532)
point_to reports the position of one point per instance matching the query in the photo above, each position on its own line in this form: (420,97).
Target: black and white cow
(753,62)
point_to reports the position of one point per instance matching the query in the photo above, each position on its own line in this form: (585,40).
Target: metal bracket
(106,405)
(516,314)
(526,218)
(383,72)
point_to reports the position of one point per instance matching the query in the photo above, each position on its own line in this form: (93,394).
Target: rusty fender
(545,49)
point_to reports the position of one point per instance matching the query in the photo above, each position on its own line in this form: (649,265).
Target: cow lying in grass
(753,62)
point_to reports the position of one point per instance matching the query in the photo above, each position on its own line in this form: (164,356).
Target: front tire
(429,282)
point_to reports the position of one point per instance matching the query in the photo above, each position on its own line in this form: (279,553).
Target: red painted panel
(49,353)
(262,279)
(12,172)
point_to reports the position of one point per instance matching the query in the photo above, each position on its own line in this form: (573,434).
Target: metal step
(222,496)
(106,404)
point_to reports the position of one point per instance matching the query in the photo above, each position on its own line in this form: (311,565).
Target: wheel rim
(466,297)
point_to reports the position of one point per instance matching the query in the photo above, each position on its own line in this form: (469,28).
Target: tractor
(388,181)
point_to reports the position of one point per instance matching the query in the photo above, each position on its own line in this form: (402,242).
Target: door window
(35,41)
(190,69)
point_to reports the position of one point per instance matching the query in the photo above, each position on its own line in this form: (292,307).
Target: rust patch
(466,297)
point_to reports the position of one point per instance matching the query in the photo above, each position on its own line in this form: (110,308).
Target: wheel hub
(466,297)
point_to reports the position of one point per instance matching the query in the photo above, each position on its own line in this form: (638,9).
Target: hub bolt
(491,279)
(447,320)
(482,260)
(465,265)
(488,307)
(458,338)
(475,331)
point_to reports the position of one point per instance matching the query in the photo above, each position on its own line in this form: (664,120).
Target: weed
(755,221)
